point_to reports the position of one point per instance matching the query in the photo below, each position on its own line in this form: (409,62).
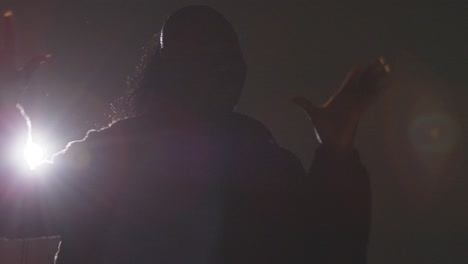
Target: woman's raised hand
(336,121)
(13,78)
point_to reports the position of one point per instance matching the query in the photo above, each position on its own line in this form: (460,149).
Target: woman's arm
(338,196)
(21,205)
(337,193)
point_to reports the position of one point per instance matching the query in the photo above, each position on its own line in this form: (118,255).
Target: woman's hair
(198,31)
(135,99)
(146,76)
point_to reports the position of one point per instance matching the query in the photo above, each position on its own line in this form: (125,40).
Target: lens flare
(434,133)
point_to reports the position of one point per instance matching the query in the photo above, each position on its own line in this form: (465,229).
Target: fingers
(352,77)
(9,41)
(311,110)
(348,88)
(370,83)
(372,79)
(31,66)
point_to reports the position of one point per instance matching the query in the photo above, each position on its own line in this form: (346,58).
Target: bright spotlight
(34,155)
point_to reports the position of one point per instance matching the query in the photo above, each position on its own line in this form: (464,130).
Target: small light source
(34,155)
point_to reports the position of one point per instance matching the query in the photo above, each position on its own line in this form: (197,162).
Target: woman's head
(196,62)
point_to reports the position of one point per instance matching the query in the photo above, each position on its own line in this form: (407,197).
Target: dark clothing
(202,192)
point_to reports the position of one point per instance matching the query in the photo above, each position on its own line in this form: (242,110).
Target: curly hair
(199,30)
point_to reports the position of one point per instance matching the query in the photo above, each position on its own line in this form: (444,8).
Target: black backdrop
(413,139)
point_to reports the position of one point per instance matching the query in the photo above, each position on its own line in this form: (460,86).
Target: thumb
(311,110)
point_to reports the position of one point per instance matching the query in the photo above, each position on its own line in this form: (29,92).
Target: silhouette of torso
(200,192)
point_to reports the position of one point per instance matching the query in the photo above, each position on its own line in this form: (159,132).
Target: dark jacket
(204,192)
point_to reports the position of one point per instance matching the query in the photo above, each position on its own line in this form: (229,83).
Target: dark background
(413,140)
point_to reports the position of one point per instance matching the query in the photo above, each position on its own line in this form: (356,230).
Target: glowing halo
(434,133)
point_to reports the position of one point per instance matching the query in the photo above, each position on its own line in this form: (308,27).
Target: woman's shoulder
(247,128)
